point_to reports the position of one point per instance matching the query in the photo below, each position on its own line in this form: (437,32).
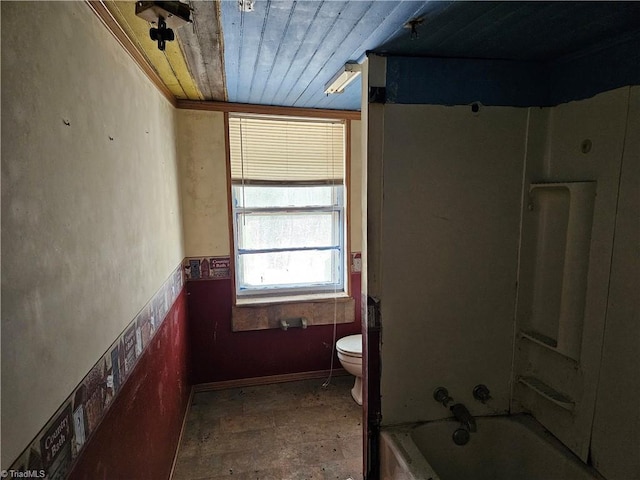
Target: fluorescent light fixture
(347,74)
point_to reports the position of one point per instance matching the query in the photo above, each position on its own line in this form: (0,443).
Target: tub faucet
(463,416)
(441,395)
(481,393)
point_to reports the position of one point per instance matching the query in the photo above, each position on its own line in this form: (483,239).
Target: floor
(285,431)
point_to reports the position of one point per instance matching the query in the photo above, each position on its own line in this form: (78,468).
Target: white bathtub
(504,448)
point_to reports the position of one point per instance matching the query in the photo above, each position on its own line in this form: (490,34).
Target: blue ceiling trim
(454,81)
(602,70)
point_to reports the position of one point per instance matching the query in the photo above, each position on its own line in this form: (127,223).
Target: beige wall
(201,147)
(356,187)
(91,222)
(203,175)
(449,249)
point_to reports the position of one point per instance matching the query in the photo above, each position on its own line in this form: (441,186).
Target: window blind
(285,149)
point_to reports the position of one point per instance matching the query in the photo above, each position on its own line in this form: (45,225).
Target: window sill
(313,297)
(264,314)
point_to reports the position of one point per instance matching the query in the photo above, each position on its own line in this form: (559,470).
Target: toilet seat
(350,345)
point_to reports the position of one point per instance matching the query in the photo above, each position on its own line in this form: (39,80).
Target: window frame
(294,289)
(302,293)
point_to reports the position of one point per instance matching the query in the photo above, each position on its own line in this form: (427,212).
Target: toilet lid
(351,344)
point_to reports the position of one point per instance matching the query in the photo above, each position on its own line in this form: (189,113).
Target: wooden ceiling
(283,52)
(192,67)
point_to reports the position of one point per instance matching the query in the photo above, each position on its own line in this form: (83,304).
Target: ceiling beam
(268,109)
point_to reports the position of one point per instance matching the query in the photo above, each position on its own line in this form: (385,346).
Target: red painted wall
(218,354)
(139,435)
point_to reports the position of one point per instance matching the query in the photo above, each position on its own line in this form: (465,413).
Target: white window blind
(286,149)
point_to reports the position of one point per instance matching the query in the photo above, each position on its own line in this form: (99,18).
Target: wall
(218,353)
(91,223)
(456,190)
(147,411)
(555,154)
(616,425)
(356,208)
(449,244)
(203,166)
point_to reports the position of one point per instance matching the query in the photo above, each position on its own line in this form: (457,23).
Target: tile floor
(285,431)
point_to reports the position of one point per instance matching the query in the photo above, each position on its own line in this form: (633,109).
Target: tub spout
(464,417)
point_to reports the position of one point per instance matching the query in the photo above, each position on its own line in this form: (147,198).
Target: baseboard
(184,423)
(255,381)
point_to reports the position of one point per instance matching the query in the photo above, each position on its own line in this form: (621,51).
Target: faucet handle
(441,395)
(481,393)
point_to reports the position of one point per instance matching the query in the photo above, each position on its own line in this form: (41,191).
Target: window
(288,205)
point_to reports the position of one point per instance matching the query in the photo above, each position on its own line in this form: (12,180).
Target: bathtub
(504,448)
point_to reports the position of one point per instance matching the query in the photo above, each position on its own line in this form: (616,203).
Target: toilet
(350,354)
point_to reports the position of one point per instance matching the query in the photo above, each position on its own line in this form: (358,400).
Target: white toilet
(350,354)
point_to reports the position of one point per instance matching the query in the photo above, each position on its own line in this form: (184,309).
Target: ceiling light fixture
(347,74)
(166,15)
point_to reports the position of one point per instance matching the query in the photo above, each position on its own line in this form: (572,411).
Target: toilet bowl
(350,355)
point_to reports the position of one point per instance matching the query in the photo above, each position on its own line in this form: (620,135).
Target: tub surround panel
(556,240)
(578,157)
(220,354)
(615,449)
(450,215)
(449,187)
